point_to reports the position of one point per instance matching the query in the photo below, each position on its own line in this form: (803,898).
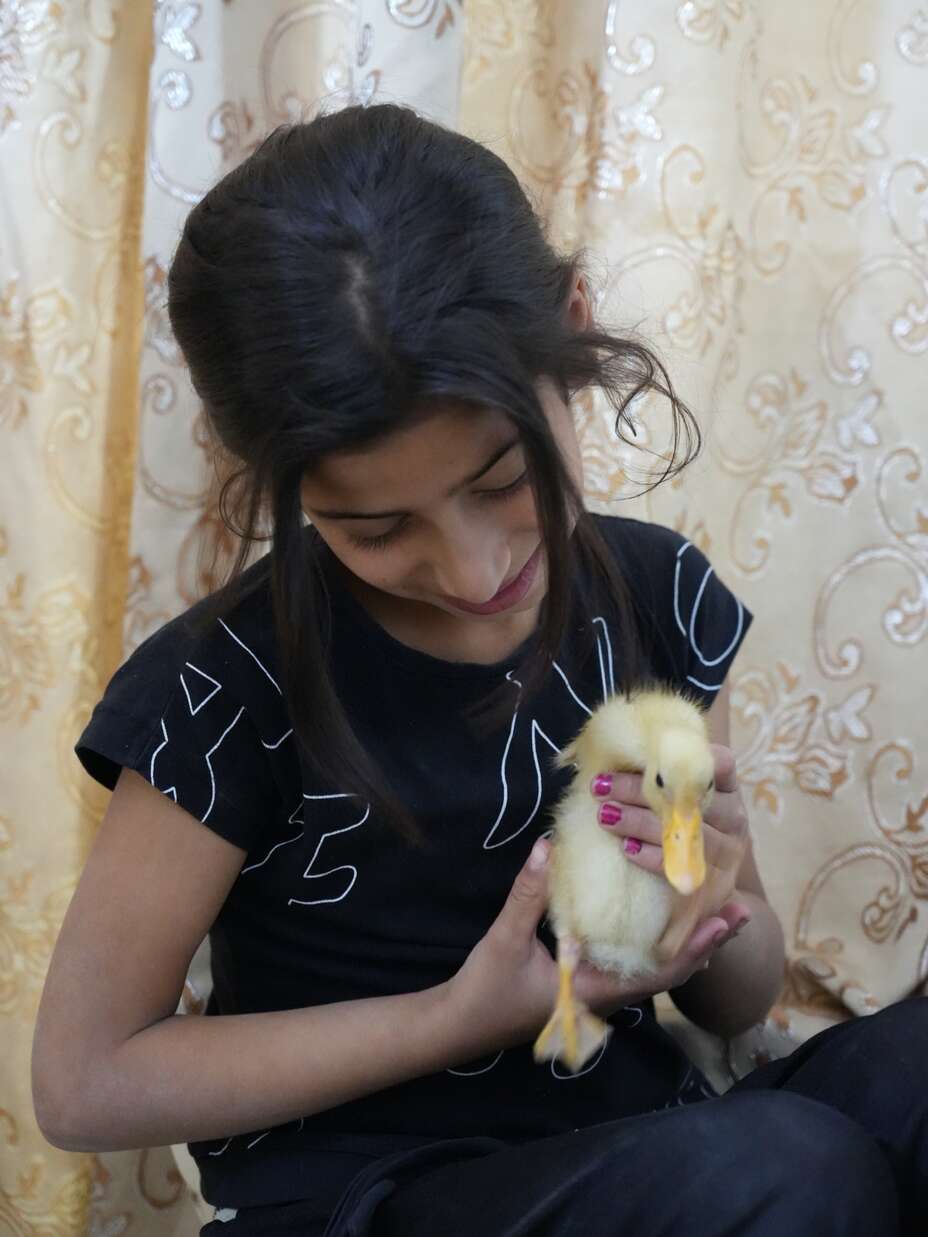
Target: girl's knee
(811,1156)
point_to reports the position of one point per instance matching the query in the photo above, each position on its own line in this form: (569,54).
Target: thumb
(528,897)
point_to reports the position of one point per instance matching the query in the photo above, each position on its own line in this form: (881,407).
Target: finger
(704,938)
(644,855)
(628,821)
(723,850)
(726,778)
(736,915)
(726,813)
(527,901)
(712,934)
(625,787)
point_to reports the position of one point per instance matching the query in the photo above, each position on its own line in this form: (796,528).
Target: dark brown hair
(351,271)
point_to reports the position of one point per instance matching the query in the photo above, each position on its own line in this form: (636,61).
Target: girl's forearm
(189,1078)
(744,978)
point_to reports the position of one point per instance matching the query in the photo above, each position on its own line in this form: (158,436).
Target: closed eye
(506,490)
(383,539)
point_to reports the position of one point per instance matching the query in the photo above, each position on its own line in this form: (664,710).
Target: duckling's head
(678,782)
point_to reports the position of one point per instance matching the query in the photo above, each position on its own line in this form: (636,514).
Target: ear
(579,308)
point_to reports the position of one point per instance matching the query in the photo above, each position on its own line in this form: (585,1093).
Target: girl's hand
(624,812)
(505,991)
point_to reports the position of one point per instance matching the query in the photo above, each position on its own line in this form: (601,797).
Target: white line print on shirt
(212,779)
(469,1073)
(270,746)
(251,654)
(690,634)
(217,687)
(277,845)
(254,656)
(603,644)
(172,790)
(308,874)
(346,867)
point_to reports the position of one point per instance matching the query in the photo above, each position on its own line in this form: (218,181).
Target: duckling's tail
(572,1033)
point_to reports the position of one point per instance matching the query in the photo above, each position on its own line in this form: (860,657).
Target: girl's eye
(378,542)
(383,539)
(507,490)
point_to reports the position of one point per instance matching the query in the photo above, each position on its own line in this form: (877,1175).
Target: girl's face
(441,512)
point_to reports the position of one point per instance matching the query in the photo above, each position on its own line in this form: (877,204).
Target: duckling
(618,915)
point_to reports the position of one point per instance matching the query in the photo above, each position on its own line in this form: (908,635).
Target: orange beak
(684,854)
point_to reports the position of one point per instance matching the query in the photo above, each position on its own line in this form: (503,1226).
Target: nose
(471,564)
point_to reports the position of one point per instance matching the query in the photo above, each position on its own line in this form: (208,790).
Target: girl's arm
(113,1066)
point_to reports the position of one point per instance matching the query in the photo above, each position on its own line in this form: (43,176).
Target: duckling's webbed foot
(572,1033)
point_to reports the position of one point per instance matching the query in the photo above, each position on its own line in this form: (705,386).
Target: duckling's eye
(711,785)
(660,782)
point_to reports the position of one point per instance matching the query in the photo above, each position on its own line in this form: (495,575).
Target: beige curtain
(750,181)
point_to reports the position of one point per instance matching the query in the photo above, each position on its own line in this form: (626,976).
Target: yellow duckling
(615,913)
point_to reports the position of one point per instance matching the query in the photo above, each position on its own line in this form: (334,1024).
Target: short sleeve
(709,621)
(174,717)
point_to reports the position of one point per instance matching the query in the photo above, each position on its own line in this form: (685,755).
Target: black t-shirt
(331,905)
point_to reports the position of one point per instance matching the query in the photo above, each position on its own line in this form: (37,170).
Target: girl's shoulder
(653,545)
(694,623)
(197,710)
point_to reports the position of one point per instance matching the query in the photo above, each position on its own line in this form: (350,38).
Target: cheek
(384,570)
(523,513)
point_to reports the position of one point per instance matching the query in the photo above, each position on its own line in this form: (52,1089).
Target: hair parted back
(352,271)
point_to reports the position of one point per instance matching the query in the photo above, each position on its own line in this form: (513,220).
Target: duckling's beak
(684,855)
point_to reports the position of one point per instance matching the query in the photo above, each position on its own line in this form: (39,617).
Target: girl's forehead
(432,452)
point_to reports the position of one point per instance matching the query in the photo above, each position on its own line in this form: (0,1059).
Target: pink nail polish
(610,814)
(632,846)
(602,785)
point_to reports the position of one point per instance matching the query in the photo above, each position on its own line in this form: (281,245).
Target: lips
(509,595)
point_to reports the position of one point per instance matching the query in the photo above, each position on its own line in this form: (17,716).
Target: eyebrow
(383,515)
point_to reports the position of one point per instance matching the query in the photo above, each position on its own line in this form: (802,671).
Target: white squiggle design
(171,790)
(690,632)
(633,1009)
(287,842)
(571,690)
(251,654)
(212,779)
(607,678)
(217,687)
(470,1073)
(270,746)
(345,867)
(600,641)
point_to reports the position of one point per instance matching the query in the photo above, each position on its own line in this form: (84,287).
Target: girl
(339,765)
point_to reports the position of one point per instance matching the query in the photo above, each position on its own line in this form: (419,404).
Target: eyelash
(378,543)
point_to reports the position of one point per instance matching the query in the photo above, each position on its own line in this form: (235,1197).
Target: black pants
(832,1141)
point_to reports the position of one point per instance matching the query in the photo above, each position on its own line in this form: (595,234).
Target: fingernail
(539,856)
(719,936)
(602,785)
(741,924)
(610,814)
(632,846)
